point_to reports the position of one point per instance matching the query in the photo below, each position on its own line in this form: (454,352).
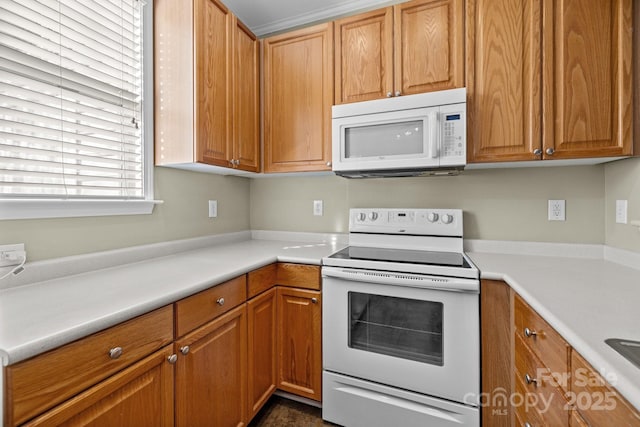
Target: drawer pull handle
(529,333)
(172,359)
(314,300)
(115,352)
(185,350)
(529,380)
(220,301)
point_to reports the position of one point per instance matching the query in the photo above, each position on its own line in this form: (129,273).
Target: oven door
(391,329)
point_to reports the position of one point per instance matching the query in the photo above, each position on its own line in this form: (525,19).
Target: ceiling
(269,16)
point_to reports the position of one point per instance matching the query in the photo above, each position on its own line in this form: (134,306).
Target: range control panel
(423,222)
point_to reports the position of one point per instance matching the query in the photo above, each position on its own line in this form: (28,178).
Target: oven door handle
(403,279)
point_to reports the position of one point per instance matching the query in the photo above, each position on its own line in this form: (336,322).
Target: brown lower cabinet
(211,359)
(211,373)
(262,361)
(532,377)
(141,395)
(299,342)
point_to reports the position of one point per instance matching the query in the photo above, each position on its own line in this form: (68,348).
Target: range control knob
(373,216)
(361,216)
(447,219)
(432,217)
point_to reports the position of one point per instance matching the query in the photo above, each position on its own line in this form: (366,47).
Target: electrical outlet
(317,207)
(11,254)
(213,208)
(621,211)
(556,210)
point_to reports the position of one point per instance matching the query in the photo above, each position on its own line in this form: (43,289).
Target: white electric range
(401,341)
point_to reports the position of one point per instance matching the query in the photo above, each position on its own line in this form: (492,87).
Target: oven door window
(399,327)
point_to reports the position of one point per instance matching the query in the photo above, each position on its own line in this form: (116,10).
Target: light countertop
(585,300)
(41,316)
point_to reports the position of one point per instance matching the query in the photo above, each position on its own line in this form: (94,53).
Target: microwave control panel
(453,134)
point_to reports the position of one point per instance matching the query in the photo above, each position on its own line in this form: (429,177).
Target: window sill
(32,208)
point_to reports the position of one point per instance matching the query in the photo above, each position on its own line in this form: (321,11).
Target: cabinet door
(503,80)
(261,320)
(211,377)
(587,74)
(496,314)
(213,82)
(141,395)
(364,56)
(429,45)
(299,342)
(298,95)
(246,99)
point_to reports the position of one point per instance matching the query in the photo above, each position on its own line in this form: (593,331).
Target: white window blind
(71,86)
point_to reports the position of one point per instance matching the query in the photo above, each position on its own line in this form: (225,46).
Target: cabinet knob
(232,162)
(537,152)
(314,300)
(527,425)
(550,151)
(115,352)
(529,333)
(236,162)
(529,380)
(220,301)
(389,94)
(398,93)
(185,349)
(328,163)
(172,359)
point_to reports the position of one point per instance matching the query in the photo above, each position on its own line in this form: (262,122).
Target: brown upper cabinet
(298,94)
(413,47)
(206,86)
(548,79)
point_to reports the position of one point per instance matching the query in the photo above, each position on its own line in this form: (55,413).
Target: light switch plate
(556,210)
(318,207)
(621,211)
(213,208)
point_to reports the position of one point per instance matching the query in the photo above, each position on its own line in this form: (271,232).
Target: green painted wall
(183,214)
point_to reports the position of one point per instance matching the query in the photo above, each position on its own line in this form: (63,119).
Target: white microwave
(423,134)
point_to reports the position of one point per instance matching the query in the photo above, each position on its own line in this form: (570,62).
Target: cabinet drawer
(541,338)
(599,403)
(204,306)
(42,382)
(543,389)
(261,279)
(525,407)
(117,400)
(299,275)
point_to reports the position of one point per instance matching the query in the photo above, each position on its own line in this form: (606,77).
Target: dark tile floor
(281,412)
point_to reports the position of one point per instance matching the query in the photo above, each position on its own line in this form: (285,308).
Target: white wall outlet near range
(317,207)
(213,208)
(11,254)
(621,211)
(556,210)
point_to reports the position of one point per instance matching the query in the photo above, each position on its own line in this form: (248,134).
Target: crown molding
(321,14)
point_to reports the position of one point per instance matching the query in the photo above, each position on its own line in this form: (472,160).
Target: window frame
(41,207)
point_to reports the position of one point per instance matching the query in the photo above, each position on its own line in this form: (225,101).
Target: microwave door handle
(433,135)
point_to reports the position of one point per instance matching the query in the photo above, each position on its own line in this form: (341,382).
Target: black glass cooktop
(407,256)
